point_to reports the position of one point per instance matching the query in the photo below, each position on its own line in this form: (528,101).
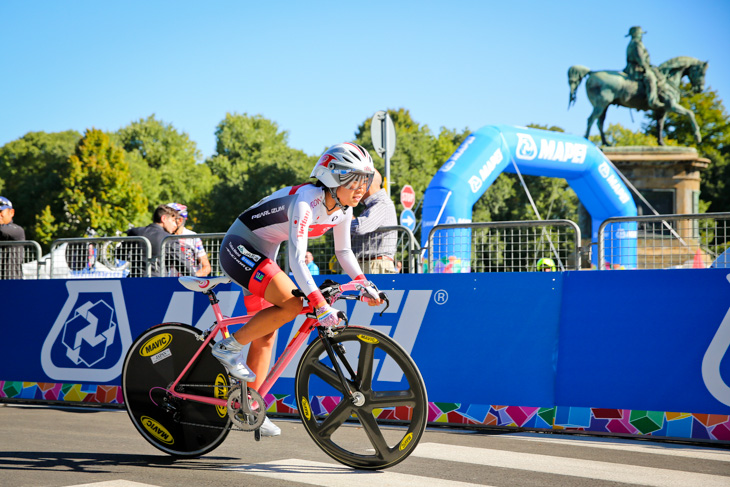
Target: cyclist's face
(180,222)
(351,197)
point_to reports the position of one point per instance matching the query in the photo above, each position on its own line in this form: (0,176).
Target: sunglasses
(353,180)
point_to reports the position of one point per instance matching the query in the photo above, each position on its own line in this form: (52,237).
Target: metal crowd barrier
(667,241)
(19,259)
(378,245)
(513,246)
(100,257)
(192,248)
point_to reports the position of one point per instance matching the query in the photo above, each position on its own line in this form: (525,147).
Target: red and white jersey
(295,214)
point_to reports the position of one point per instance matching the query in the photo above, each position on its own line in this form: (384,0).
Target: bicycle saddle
(202,284)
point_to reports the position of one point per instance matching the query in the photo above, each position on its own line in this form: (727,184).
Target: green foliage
(418,154)
(714,124)
(29,168)
(252,161)
(97,192)
(165,163)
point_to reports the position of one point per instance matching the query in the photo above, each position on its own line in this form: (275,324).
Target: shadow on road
(99,462)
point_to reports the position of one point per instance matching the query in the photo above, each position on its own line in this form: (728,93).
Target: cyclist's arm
(343,250)
(300,218)
(204,266)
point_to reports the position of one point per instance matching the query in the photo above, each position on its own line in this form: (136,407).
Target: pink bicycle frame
(222,324)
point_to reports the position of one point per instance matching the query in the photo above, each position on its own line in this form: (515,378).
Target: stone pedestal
(670,169)
(669,178)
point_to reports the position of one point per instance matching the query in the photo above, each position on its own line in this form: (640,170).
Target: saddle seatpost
(211,297)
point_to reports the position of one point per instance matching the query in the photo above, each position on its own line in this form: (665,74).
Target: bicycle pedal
(257,434)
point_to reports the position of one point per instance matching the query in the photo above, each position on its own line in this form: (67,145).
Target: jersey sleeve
(300,219)
(343,249)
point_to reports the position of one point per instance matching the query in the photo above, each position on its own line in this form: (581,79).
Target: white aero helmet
(347,165)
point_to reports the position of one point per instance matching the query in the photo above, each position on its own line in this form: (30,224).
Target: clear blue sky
(319,68)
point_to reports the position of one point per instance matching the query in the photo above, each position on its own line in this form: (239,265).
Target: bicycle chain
(230,425)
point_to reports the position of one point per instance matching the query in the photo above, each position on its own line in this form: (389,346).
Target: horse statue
(605,88)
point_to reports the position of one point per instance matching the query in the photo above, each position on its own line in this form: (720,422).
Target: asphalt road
(54,447)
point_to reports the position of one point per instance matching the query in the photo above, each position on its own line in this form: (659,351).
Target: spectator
(546,264)
(309,260)
(375,250)
(191,248)
(11,257)
(398,267)
(164,223)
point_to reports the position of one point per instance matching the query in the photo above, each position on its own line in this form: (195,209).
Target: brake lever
(384,297)
(343,317)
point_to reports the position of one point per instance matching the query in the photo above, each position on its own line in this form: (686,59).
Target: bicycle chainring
(248,415)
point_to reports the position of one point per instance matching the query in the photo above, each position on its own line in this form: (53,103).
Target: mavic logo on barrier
(91,333)
(711,362)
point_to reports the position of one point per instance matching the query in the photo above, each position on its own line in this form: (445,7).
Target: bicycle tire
(379,443)
(153,362)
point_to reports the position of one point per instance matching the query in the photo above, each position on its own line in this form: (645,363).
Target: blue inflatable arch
(475,165)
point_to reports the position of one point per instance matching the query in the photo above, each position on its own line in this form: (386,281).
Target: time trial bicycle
(182,400)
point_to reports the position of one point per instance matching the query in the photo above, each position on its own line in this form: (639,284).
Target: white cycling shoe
(229,353)
(269,429)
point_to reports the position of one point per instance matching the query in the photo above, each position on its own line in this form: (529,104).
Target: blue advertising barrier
(493,149)
(637,352)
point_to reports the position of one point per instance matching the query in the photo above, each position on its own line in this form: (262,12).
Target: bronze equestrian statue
(640,86)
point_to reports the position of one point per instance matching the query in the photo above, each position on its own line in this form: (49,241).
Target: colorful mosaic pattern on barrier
(597,420)
(44,391)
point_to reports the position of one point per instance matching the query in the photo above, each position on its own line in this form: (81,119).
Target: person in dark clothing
(164,223)
(11,257)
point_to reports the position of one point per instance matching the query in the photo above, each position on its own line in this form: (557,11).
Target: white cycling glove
(327,316)
(369,291)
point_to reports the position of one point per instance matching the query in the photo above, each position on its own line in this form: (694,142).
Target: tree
(714,124)
(418,155)
(30,170)
(165,162)
(252,161)
(97,192)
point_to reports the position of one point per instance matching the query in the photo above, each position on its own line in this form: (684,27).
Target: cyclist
(546,264)
(248,256)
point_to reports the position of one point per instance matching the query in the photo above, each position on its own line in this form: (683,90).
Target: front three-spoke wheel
(386,396)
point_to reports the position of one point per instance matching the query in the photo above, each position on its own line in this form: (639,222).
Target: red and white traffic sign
(407,197)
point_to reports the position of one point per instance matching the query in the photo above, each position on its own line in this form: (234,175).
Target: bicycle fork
(335,352)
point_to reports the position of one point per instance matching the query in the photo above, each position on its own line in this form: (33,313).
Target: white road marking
(574,467)
(336,475)
(698,453)
(114,483)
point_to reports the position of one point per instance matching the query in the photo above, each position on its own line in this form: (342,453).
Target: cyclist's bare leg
(259,331)
(259,359)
